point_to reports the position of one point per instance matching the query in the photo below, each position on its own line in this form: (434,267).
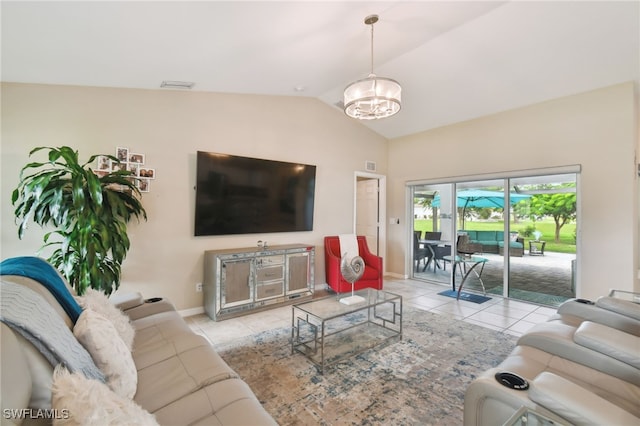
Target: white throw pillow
(85,402)
(100,338)
(99,302)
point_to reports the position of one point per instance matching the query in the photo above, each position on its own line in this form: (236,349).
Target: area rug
(418,380)
(469,297)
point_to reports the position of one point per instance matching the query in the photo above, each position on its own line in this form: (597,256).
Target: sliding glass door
(432,234)
(522,228)
(481,213)
(544,271)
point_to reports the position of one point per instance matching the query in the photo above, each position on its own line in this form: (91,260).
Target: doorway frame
(382,209)
(506,177)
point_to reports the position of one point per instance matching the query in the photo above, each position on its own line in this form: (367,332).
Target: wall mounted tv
(242,195)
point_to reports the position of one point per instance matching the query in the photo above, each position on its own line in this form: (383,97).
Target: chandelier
(373,97)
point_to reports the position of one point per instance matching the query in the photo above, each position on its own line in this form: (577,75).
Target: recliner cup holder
(585,301)
(511,380)
(153,300)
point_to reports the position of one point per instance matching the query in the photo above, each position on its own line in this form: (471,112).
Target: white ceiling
(456,60)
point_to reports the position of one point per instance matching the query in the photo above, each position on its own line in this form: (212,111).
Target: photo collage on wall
(130,161)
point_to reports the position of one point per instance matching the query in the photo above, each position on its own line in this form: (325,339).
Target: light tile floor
(504,315)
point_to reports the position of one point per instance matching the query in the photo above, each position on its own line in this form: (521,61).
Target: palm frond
(90,214)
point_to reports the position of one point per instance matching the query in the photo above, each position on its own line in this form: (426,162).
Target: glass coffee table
(327,331)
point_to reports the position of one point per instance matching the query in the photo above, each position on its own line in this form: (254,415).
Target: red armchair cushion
(372,276)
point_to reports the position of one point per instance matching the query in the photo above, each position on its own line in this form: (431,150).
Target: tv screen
(242,195)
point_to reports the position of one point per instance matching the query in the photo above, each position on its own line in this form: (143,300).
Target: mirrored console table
(244,280)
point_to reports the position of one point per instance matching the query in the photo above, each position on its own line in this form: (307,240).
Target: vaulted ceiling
(456,60)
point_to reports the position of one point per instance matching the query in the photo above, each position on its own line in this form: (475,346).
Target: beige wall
(169,127)
(597,130)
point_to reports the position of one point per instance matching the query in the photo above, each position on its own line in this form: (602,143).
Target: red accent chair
(372,276)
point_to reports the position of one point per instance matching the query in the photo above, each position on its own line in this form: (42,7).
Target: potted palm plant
(89,213)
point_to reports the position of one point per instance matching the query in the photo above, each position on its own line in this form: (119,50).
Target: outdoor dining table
(473,262)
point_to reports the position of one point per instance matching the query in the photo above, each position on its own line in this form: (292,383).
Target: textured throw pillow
(100,338)
(99,302)
(79,401)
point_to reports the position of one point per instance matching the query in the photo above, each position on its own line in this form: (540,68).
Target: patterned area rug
(418,380)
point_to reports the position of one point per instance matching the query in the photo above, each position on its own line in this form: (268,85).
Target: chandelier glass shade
(373,97)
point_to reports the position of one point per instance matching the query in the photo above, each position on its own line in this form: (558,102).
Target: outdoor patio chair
(432,236)
(466,248)
(439,253)
(420,253)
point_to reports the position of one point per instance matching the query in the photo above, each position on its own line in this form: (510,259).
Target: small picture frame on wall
(117,166)
(143,185)
(144,172)
(134,168)
(103,163)
(136,158)
(122,154)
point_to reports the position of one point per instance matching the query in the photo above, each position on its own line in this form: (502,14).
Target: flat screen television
(242,195)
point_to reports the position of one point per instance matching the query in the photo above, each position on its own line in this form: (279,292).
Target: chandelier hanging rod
(370,20)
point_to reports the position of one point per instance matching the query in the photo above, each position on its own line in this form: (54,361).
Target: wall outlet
(198,287)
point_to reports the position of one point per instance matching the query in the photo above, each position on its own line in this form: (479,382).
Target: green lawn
(547,227)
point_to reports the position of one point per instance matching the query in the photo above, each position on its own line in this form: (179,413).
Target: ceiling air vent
(168,84)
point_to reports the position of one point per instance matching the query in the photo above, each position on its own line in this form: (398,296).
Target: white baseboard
(200,310)
(321,286)
(398,276)
(191,311)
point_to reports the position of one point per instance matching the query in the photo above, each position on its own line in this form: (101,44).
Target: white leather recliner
(581,367)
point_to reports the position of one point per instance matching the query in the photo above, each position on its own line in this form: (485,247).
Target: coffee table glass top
(527,417)
(329,307)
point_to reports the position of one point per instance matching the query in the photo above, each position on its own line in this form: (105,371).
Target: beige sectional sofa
(581,367)
(181,380)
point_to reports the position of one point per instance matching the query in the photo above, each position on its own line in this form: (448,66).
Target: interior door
(368,212)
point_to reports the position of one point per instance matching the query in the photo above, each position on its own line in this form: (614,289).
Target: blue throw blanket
(40,270)
(29,314)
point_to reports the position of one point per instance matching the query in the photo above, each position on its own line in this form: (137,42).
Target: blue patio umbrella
(482,199)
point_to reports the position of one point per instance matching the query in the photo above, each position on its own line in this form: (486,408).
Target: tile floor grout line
(412,291)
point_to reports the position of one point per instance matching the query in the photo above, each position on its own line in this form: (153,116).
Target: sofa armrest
(16,378)
(332,263)
(558,339)
(609,341)
(369,258)
(576,404)
(600,313)
(620,306)
(125,301)
(151,306)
